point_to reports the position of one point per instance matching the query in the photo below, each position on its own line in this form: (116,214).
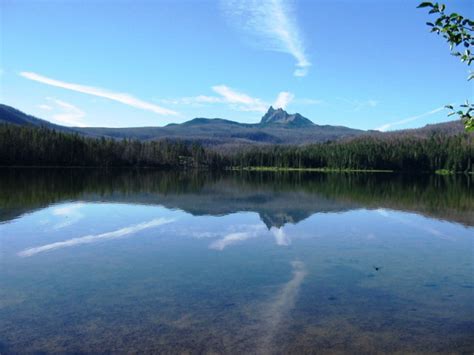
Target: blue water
(234,264)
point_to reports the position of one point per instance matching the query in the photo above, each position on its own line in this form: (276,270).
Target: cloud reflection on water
(281,238)
(277,310)
(230,239)
(97,237)
(236,237)
(412,224)
(71,214)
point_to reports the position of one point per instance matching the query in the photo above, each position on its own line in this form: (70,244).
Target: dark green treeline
(369,153)
(27,146)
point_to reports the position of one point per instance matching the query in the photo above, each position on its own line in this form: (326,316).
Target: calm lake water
(145,261)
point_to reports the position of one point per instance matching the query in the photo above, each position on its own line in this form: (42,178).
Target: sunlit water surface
(144,261)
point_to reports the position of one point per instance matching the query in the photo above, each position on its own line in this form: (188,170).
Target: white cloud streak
(45,107)
(95,238)
(237,100)
(360,105)
(243,101)
(386,126)
(99,92)
(272,23)
(283,99)
(193,100)
(306,101)
(68,114)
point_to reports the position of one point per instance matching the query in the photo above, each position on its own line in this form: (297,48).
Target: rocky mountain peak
(280,116)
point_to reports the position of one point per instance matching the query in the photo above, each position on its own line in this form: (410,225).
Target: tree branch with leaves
(458,32)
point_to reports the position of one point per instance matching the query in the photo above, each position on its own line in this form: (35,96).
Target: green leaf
(425,4)
(469,126)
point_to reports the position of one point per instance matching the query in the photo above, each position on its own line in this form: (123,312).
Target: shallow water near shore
(95,261)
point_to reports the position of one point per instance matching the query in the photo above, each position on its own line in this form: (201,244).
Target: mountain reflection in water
(143,261)
(278,198)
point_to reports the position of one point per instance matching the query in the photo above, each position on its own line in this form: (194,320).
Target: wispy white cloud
(369,103)
(65,113)
(99,92)
(45,107)
(386,126)
(283,99)
(272,25)
(95,238)
(236,100)
(306,101)
(241,101)
(193,100)
(358,105)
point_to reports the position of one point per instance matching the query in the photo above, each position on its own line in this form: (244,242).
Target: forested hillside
(277,127)
(30,146)
(398,153)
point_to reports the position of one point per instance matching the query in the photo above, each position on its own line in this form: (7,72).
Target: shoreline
(443,172)
(318,170)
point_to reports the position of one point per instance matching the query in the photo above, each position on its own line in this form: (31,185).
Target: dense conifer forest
(397,153)
(29,146)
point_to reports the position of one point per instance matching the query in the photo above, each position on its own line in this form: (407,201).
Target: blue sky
(364,64)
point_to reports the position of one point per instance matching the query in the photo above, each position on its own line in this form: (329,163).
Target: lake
(146,261)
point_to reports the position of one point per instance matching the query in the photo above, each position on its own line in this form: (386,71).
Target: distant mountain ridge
(11,115)
(281,117)
(276,127)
